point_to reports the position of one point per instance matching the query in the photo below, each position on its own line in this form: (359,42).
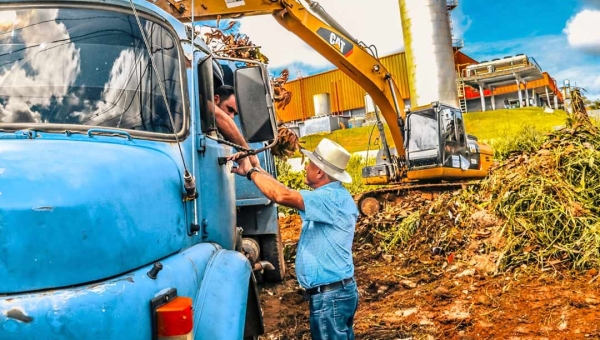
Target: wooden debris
(236,45)
(288,143)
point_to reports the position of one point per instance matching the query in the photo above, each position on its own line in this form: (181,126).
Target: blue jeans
(332,313)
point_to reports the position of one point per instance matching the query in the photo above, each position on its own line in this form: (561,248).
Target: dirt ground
(418,295)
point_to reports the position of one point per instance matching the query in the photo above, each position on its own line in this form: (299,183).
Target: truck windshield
(87,67)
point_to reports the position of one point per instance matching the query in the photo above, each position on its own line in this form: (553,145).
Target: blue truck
(119,217)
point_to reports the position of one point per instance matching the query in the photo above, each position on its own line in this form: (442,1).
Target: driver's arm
(230,131)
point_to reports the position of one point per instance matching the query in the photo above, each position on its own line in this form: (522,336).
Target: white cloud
(378,25)
(460,23)
(582,31)
(113,96)
(48,68)
(585,76)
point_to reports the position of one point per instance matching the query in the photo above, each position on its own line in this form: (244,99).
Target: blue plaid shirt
(324,252)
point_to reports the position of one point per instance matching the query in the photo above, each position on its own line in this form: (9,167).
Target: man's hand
(244,165)
(244,155)
(270,187)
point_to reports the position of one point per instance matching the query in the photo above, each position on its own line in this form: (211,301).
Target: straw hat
(332,158)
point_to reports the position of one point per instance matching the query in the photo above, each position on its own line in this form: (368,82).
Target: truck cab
(257,216)
(118,217)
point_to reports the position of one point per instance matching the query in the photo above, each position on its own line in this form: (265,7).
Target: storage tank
(429,53)
(322,104)
(369,104)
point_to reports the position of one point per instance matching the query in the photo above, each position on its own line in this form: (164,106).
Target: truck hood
(74,212)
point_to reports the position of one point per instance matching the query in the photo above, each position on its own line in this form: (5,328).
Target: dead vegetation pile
(549,202)
(228,43)
(539,208)
(288,143)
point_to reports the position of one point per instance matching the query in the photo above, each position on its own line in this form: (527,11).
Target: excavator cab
(439,148)
(437,151)
(437,138)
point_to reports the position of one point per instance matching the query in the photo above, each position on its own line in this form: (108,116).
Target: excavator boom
(334,44)
(437,147)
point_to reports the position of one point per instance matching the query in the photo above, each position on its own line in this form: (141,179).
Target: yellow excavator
(432,149)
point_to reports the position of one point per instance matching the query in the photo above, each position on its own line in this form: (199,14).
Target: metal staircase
(460,85)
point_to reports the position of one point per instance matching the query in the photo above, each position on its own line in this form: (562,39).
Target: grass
(506,122)
(353,140)
(487,126)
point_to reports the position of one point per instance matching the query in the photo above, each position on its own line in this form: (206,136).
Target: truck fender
(221,302)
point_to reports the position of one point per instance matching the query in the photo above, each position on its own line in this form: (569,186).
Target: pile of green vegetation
(548,201)
(543,204)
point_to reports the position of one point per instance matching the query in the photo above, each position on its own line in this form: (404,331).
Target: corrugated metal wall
(344,93)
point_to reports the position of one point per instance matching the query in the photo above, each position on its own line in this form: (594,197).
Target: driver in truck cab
(225,100)
(225,110)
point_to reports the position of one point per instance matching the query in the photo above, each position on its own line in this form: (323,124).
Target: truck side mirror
(254,108)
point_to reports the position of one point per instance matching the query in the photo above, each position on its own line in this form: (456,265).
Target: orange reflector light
(175,317)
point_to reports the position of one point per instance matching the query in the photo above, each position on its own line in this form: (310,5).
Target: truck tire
(271,248)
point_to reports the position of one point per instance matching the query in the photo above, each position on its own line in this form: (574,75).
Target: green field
(485,125)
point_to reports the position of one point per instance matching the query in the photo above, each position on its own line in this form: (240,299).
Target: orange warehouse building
(334,93)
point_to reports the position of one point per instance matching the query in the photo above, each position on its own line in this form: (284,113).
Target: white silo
(429,52)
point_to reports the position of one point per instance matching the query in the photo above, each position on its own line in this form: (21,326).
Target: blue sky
(562,35)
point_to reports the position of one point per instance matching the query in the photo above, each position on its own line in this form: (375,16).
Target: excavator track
(371,202)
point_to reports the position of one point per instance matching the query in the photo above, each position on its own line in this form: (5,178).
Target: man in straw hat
(324,265)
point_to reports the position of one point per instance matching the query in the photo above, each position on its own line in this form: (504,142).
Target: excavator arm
(425,164)
(325,36)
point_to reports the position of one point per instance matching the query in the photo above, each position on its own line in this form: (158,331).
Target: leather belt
(329,287)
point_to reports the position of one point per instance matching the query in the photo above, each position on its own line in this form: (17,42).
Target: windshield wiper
(93,131)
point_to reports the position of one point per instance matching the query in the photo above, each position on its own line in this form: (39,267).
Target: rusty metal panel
(462,60)
(505,89)
(544,81)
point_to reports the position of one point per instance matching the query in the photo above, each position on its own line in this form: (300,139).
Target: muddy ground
(414,294)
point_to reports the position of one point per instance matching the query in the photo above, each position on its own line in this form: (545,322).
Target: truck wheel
(271,248)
